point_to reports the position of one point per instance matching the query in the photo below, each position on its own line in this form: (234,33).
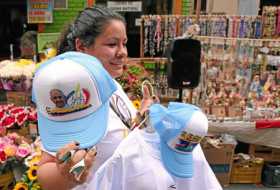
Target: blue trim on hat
(177,164)
(88,130)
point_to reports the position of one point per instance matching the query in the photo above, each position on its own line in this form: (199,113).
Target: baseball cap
(72,93)
(180,127)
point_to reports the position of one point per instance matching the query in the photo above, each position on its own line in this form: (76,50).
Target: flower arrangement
(131,80)
(16,75)
(29,178)
(15,117)
(13,150)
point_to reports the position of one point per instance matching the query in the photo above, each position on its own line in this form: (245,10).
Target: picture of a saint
(76,100)
(58,98)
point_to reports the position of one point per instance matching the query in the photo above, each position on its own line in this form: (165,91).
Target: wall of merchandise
(157,30)
(241,73)
(240,59)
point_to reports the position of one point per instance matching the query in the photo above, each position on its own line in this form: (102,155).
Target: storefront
(13,23)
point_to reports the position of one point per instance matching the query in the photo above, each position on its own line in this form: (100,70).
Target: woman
(102,33)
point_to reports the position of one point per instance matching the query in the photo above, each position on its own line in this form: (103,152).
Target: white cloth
(246,132)
(116,132)
(136,165)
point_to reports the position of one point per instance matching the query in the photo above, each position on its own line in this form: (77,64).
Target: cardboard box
(265,152)
(220,160)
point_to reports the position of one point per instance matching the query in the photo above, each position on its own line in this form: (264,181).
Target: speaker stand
(180,99)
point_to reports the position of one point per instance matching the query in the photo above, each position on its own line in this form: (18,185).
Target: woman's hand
(148,98)
(70,157)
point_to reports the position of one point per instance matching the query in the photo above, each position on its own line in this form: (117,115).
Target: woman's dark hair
(88,25)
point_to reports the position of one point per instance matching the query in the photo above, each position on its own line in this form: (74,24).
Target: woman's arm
(53,172)
(50,178)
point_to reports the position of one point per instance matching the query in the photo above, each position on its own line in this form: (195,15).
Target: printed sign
(125,6)
(39,11)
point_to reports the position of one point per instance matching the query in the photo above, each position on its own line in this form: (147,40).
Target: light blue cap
(72,93)
(170,123)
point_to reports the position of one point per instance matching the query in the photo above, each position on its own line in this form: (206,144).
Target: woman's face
(110,48)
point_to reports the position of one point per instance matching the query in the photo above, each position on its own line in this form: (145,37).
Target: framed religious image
(60,4)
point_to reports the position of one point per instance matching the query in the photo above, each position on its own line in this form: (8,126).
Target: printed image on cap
(185,142)
(75,100)
(181,127)
(72,93)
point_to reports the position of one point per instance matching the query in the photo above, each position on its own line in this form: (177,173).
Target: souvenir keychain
(278,22)
(146,35)
(158,34)
(230,27)
(241,28)
(165,34)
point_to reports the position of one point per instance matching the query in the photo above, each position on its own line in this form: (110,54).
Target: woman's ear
(79,45)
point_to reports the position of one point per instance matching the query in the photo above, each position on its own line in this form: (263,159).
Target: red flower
(7,107)
(16,110)
(21,118)
(32,116)
(8,122)
(3,157)
(2,114)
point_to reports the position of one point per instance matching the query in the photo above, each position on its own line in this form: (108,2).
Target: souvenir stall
(239,67)
(239,85)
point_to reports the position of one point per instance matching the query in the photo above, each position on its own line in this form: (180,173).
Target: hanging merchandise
(158,30)
(257,28)
(186,7)
(278,21)
(158,34)
(239,68)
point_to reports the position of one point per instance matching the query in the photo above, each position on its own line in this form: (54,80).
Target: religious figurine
(256,87)
(270,83)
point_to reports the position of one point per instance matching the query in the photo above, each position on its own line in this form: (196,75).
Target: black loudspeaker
(184,67)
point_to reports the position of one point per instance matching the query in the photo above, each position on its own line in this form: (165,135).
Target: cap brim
(177,164)
(88,130)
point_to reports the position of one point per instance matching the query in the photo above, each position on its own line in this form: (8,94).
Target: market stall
(240,70)
(239,85)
